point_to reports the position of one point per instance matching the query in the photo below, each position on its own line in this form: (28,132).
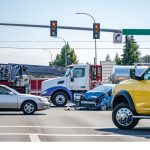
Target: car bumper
(43,105)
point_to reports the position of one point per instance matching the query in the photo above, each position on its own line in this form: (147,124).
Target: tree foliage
(117,59)
(60,58)
(130,51)
(107,58)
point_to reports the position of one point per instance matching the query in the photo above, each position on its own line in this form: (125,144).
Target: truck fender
(127,97)
(50,91)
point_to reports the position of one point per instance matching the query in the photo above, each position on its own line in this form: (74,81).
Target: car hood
(92,95)
(29,96)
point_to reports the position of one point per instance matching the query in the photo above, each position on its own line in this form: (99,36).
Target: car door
(8,99)
(142,93)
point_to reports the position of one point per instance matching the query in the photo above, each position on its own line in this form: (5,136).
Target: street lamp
(65,49)
(49,53)
(95,60)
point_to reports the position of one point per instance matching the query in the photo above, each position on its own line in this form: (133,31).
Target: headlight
(42,99)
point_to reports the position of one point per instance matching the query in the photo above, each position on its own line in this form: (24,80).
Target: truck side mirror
(71,76)
(132,73)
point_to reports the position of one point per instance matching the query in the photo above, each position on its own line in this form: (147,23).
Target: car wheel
(122,117)
(60,99)
(28,107)
(104,108)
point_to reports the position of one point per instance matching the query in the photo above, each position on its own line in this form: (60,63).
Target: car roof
(111,85)
(3,86)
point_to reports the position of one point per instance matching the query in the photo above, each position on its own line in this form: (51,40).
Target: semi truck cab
(76,81)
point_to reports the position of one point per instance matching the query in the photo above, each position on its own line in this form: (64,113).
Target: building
(107,67)
(145,59)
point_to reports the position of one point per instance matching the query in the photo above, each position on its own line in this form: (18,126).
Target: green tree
(107,58)
(130,51)
(117,59)
(60,58)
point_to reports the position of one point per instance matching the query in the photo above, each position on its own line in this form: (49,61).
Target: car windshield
(68,71)
(103,89)
(12,90)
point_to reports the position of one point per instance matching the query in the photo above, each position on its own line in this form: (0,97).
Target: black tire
(59,99)
(28,107)
(126,123)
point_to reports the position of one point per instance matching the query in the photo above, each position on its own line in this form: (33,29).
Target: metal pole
(95,63)
(65,49)
(95,60)
(59,27)
(49,53)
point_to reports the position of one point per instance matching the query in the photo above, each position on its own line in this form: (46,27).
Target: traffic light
(96,30)
(53,28)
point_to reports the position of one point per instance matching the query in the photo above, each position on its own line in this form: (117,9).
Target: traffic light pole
(59,27)
(95,60)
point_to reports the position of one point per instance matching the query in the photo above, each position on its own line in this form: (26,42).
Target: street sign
(117,38)
(136,31)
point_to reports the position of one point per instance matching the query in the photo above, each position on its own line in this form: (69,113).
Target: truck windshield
(68,71)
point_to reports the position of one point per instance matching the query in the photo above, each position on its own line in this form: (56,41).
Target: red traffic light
(53,23)
(96,26)
(96,30)
(53,28)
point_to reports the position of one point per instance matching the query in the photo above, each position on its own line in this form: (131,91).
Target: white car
(12,100)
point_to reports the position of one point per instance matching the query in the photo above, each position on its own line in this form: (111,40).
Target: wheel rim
(124,117)
(60,99)
(104,108)
(29,108)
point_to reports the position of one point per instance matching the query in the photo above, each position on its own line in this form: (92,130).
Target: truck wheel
(60,99)
(28,107)
(122,117)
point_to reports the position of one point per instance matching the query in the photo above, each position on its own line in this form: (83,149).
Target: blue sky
(115,14)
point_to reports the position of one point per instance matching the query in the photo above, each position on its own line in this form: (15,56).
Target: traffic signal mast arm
(60,27)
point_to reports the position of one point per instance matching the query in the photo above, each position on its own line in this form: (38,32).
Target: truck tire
(122,117)
(60,99)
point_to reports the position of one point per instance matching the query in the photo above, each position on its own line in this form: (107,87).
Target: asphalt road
(59,125)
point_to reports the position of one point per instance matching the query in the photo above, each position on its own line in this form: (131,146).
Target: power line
(84,48)
(46,41)
(60,41)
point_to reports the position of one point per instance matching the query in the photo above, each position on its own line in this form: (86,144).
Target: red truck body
(35,86)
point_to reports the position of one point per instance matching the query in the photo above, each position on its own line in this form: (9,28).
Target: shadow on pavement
(20,114)
(137,132)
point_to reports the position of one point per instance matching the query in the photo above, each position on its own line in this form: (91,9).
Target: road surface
(59,125)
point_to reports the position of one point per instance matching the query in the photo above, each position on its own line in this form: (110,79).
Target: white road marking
(34,138)
(55,127)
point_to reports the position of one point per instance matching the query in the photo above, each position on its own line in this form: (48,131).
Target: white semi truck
(78,79)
